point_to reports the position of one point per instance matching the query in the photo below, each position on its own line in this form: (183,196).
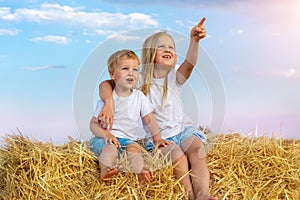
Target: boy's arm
(184,71)
(151,123)
(96,128)
(106,115)
(98,131)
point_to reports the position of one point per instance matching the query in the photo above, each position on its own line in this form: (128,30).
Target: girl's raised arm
(106,115)
(198,32)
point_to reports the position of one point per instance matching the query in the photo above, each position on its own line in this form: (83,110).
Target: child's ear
(111,74)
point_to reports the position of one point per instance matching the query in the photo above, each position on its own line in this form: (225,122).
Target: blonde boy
(130,105)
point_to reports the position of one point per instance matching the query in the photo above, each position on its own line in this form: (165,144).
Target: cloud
(283,73)
(98,32)
(52,39)
(179,22)
(9,32)
(67,15)
(121,37)
(103,32)
(44,67)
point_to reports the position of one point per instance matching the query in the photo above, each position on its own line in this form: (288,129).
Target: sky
(53,55)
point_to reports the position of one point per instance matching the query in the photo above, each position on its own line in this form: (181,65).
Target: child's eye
(124,68)
(136,69)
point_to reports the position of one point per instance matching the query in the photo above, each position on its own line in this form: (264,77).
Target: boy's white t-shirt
(170,117)
(128,114)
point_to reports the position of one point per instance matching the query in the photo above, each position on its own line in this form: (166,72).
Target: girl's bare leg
(106,160)
(179,160)
(197,156)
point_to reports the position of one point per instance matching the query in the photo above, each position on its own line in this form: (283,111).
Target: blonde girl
(162,84)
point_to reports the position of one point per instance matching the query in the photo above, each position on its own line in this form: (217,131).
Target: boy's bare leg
(106,160)
(145,176)
(179,160)
(197,156)
(137,164)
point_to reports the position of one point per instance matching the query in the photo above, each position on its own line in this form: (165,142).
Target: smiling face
(125,74)
(165,52)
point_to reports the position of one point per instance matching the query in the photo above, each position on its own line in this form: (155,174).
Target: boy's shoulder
(137,92)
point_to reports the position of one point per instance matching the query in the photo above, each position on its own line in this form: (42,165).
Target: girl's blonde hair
(148,61)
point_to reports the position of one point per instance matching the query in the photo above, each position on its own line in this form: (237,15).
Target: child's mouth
(129,79)
(167,56)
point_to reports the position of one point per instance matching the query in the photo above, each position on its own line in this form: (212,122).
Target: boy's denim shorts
(98,143)
(187,132)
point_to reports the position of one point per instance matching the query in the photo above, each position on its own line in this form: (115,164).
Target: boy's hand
(198,32)
(106,116)
(111,139)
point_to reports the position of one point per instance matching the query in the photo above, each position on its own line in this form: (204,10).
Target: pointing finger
(202,21)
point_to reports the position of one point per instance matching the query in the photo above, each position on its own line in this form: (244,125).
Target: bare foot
(207,197)
(145,176)
(110,171)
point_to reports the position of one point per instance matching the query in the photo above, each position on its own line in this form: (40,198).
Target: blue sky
(254,46)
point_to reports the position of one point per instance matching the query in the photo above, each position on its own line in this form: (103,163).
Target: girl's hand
(111,139)
(161,143)
(106,116)
(198,32)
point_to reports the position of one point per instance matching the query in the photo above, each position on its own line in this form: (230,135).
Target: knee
(197,152)
(110,149)
(108,155)
(177,155)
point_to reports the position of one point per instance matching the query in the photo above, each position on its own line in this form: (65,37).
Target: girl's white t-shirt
(170,117)
(128,115)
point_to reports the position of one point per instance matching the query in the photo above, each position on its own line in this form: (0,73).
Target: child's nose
(167,49)
(130,72)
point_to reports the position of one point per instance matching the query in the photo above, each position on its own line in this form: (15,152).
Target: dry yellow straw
(240,168)
(38,170)
(255,168)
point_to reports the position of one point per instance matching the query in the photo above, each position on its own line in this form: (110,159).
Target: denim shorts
(98,143)
(187,132)
(124,142)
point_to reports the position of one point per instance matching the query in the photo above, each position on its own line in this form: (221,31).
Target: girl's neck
(161,72)
(122,92)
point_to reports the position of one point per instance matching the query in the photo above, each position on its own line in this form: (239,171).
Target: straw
(240,168)
(255,168)
(40,170)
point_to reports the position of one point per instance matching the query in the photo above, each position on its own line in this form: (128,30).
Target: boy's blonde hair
(115,57)
(148,57)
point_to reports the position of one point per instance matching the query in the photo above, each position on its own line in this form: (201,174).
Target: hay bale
(240,168)
(39,170)
(254,168)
